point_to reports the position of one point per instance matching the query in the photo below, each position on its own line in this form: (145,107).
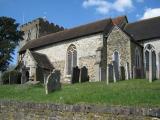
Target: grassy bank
(129,93)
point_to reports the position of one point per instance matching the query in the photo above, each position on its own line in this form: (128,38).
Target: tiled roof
(144,29)
(80,31)
(42,60)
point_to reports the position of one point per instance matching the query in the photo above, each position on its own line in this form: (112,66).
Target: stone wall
(120,42)
(89,63)
(12,110)
(60,66)
(85,46)
(30,63)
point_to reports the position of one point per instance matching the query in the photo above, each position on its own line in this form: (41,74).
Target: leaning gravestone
(53,82)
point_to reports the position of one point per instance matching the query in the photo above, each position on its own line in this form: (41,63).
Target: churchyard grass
(128,93)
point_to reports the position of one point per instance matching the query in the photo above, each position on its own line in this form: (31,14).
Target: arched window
(116,62)
(149,47)
(150,61)
(137,58)
(71,58)
(116,58)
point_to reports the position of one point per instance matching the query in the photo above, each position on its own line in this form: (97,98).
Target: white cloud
(103,6)
(121,5)
(149,13)
(88,3)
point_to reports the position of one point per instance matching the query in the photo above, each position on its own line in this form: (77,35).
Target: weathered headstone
(103,74)
(138,72)
(122,70)
(53,82)
(75,74)
(84,74)
(23,76)
(115,71)
(134,72)
(127,71)
(109,73)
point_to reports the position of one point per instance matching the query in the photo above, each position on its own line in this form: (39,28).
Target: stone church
(111,49)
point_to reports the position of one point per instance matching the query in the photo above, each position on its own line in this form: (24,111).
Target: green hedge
(11,77)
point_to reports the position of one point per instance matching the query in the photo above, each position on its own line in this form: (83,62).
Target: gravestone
(138,73)
(103,74)
(122,70)
(109,73)
(53,82)
(23,76)
(115,71)
(75,74)
(127,71)
(134,72)
(84,74)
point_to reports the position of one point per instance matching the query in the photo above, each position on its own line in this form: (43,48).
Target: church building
(110,50)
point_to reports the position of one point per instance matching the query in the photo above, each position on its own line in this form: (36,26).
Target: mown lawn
(128,93)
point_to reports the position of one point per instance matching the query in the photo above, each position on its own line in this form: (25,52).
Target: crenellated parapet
(38,28)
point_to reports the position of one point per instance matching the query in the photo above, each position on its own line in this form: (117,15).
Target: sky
(71,13)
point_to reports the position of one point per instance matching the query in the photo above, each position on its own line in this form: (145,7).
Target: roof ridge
(74,28)
(95,27)
(144,29)
(37,53)
(144,20)
(93,22)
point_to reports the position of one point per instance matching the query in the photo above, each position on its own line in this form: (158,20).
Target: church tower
(37,28)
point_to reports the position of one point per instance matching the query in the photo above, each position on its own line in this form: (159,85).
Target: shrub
(12,77)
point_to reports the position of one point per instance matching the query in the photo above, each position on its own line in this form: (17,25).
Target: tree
(9,39)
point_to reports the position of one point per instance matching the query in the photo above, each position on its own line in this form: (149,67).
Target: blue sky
(70,13)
